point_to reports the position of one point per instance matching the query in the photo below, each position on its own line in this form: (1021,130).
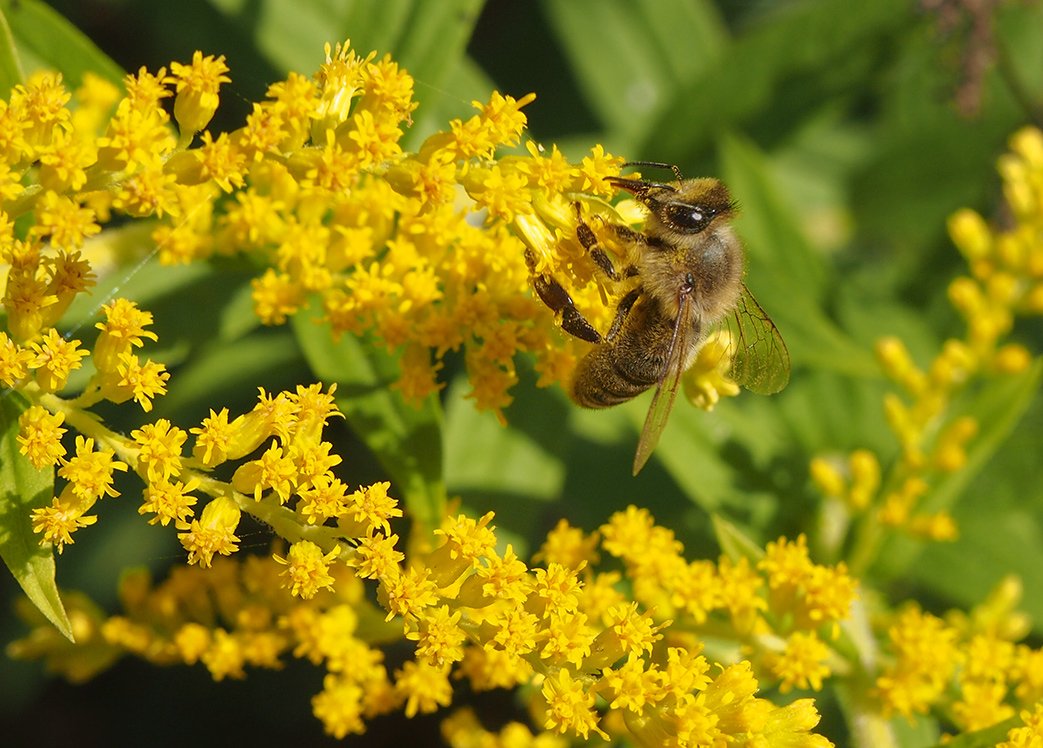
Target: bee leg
(557,299)
(590,243)
(627,235)
(622,310)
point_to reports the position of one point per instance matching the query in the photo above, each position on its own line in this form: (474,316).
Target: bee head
(687,206)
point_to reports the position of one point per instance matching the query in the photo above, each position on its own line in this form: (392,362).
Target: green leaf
(406,440)
(690,454)
(523,458)
(735,544)
(814,38)
(986,738)
(10,68)
(229,370)
(637,56)
(513,469)
(869,727)
(997,409)
(785,274)
(429,39)
(22,489)
(44,39)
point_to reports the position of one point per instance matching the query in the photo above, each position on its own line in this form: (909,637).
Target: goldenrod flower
(429,253)
(159,450)
(439,636)
(570,707)
(370,509)
(1030,733)
(123,330)
(197,85)
(213,533)
(57,522)
(134,379)
(89,472)
(706,380)
(466,542)
(56,358)
(339,706)
(169,501)
(376,557)
(569,546)
(424,686)
(801,664)
(273,470)
(307,568)
(14,361)
(326,499)
(40,434)
(926,656)
(407,593)
(503,578)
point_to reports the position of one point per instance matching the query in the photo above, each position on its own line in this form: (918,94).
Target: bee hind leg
(622,311)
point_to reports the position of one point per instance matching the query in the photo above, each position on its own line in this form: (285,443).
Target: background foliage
(848,132)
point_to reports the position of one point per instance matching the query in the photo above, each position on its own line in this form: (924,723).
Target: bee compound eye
(688,217)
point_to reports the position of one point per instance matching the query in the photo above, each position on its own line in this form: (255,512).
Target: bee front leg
(589,241)
(557,299)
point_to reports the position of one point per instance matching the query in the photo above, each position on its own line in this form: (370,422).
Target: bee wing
(663,400)
(761,360)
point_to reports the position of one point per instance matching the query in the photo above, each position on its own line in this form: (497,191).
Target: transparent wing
(761,360)
(663,400)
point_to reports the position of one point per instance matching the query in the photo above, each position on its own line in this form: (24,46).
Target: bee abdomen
(602,380)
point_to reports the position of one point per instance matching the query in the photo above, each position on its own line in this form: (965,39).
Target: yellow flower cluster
(416,247)
(600,662)
(422,249)
(970,667)
(1006,280)
(290,485)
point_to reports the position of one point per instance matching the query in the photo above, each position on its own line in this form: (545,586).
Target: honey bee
(688,264)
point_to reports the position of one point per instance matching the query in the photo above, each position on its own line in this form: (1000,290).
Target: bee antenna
(638,186)
(658,165)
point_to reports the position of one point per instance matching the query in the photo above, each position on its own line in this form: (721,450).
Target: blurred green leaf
(986,738)
(406,440)
(516,469)
(636,57)
(748,79)
(785,274)
(11,73)
(735,544)
(691,456)
(775,240)
(229,371)
(44,39)
(522,458)
(928,160)
(428,39)
(998,408)
(22,489)
(467,82)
